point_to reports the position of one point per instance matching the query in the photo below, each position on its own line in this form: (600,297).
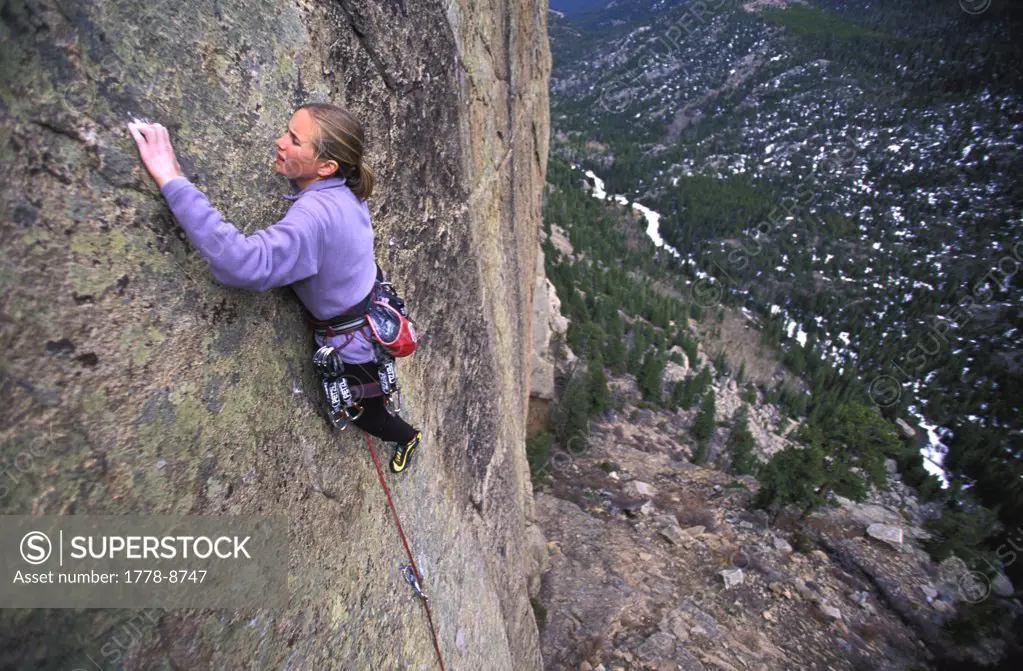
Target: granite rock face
(547,324)
(160,391)
(542,367)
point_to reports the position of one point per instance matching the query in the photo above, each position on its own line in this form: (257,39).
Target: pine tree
(600,394)
(703,427)
(595,337)
(572,414)
(615,354)
(795,359)
(679,394)
(689,346)
(696,312)
(854,435)
(792,477)
(649,378)
(538,452)
(961,530)
(693,388)
(741,444)
(797,404)
(721,364)
(700,453)
(636,352)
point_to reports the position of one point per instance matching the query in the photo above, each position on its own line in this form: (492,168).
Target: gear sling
(394,336)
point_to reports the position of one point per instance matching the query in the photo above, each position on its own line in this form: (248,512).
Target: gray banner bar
(135,561)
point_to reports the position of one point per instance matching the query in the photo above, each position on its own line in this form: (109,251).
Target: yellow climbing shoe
(402,453)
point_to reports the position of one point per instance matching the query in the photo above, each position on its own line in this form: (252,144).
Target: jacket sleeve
(279,255)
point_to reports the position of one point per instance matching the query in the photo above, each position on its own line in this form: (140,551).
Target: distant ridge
(576,6)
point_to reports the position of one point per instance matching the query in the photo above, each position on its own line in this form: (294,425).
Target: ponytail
(359,179)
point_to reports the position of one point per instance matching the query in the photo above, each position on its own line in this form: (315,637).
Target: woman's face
(296,152)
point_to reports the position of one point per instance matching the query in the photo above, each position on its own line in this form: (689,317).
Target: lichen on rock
(179,395)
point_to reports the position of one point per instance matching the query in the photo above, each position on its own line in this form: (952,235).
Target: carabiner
(394,406)
(410,578)
(337,421)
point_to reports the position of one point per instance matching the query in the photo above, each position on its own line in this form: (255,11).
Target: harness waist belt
(339,327)
(346,322)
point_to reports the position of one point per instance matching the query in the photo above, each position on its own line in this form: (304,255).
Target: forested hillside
(845,173)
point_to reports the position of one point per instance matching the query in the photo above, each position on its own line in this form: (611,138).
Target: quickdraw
(413,581)
(343,406)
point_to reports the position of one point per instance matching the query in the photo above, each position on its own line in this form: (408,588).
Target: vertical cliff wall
(155,390)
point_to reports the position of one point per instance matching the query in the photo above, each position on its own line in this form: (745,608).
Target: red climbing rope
(412,560)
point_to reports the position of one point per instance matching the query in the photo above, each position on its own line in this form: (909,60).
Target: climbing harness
(410,571)
(384,313)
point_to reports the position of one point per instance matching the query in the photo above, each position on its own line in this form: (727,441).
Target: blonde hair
(340,138)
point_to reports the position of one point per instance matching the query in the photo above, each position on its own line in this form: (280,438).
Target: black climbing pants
(375,419)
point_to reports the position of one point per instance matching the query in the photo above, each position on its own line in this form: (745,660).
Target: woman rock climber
(323,247)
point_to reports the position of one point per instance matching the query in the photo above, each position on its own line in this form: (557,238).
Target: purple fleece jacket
(323,248)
